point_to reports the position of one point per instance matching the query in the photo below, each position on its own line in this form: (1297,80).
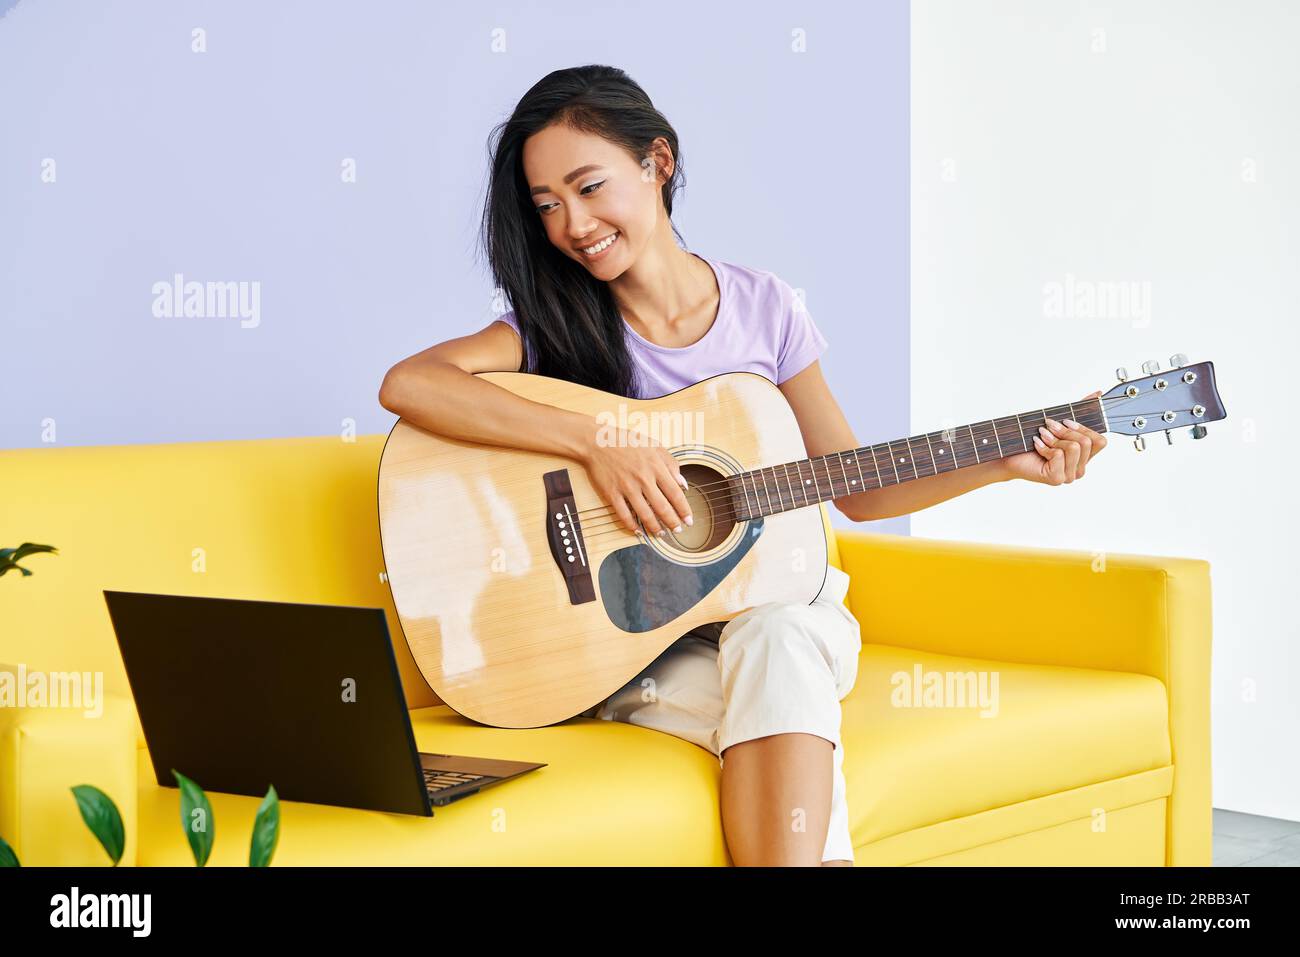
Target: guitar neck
(780,488)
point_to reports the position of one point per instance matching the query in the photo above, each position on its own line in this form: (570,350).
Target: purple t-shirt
(762,326)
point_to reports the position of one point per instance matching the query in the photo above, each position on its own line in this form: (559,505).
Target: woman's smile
(597,250)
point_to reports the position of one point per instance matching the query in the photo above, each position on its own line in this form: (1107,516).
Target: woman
(578,231)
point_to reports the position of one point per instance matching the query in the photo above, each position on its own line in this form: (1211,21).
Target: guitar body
(516,625)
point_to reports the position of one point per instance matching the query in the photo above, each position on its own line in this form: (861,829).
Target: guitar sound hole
(711,510)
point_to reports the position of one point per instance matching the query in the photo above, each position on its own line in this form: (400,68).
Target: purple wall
(130,158)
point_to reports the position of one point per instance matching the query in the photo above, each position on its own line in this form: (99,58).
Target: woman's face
(586,190)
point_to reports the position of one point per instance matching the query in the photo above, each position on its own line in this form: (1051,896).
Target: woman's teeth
(593,250)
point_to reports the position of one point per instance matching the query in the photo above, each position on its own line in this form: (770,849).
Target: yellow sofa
(1099,752)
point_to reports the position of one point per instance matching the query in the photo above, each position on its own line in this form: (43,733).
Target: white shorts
(777,668)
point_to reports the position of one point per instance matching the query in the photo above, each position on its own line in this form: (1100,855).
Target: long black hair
(568,320)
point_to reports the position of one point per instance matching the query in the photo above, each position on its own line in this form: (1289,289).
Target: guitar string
(725,496)
(726,492)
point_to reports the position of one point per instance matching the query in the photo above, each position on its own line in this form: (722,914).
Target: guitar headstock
(1161,401)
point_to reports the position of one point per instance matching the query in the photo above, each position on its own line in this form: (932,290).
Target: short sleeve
(509,319)
(801,342)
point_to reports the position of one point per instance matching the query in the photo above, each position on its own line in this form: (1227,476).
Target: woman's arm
(437,389)
(825,430)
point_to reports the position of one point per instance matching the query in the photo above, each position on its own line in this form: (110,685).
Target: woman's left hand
(1061,451)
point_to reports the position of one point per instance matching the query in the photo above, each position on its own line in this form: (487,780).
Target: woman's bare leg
(764,781)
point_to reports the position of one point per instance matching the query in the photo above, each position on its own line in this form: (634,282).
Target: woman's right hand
(638,479)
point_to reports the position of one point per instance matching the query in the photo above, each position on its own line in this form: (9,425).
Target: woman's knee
(797,632)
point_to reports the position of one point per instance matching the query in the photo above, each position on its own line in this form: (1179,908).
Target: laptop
(240,695)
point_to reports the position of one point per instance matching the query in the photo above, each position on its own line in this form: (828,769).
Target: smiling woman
(583,178)
(578,230)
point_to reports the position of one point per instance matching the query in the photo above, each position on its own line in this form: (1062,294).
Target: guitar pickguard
(642,590)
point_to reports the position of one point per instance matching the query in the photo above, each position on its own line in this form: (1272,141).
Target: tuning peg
(1177,360)
(1122,374)
(1198,431)
(1140,443)
(1150,367)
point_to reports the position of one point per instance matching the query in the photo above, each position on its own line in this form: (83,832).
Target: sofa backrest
(290,519)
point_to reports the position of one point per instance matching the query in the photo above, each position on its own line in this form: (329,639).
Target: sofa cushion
(45,751)
(1054,729)
(611,794)
(614,793)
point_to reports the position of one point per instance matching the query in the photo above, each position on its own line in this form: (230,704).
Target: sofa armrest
(44,753)
(1113,612)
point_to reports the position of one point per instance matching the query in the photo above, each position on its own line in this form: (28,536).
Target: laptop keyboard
(438,780)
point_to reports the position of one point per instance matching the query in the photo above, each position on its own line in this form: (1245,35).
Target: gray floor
(1248,840)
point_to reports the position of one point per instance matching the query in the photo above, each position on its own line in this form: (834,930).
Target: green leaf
(266,830)
(196,818)
(7,856)
(102,817)
(9,556)
(27,548)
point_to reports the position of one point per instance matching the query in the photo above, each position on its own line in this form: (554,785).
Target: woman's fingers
(1052,459)
(644,513)
(1055,451)
(624,513)
(672,485)
(1075,444)
(1075,461)
(1096,439)
(665,514)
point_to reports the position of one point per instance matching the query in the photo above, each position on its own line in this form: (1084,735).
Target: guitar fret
(880,483)
(996,438)
(745,493)
(912,456)
(766,490)
(817,484)
(1021,429)
(803,484)
(840,455)
(951,451)
(974,445)
(857,461)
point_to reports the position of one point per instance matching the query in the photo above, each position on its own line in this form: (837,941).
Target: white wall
(1153,143)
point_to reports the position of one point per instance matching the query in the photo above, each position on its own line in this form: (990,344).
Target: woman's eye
(586,191)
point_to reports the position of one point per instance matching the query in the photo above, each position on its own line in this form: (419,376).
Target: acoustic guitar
(524,599)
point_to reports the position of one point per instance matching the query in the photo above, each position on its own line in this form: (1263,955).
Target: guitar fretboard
(790,485)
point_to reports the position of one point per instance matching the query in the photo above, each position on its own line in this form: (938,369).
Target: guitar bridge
(564,536)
